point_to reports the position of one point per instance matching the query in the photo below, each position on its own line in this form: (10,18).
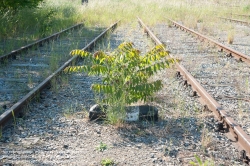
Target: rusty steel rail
(236,133)
(28,97)
(231,52)
(40,42)
(244,15)
(237,21)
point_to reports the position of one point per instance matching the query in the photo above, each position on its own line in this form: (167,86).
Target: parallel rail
(244,15)
(8,114)
(242,140)
(237,21)
(40,42)
(231,52)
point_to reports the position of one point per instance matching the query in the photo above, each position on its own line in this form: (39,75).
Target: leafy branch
(125,73)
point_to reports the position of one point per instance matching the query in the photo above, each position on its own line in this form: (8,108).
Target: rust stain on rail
(236,132)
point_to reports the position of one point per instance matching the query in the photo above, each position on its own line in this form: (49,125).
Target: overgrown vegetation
(125,75)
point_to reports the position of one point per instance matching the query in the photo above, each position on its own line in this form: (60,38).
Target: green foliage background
(18,4)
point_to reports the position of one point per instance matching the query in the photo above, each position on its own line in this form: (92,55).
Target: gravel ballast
(56,129)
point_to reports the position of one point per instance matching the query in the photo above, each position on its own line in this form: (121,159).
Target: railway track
(243,15)
(58,140)
(26,71)
(237,21)
(230,52)
(202,68)
(239,33)
(37,43)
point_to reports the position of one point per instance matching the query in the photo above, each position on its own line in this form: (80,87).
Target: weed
(69,111)
(107,162)
(30,81)
(125,75)
(140,132)
(169,147)
(230,37)
(64,79)
(102,147)
(246,8)
(20,121)
(206,138)
(53,63)
(54,85)
(247,85)
(37,97)
(15,96)
(199,162)
(14,118)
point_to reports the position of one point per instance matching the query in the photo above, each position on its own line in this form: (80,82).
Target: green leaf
(198,159)
(192,163)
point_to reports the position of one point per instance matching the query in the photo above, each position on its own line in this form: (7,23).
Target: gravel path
(56,131)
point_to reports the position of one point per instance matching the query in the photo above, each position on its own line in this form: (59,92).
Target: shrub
(125,74)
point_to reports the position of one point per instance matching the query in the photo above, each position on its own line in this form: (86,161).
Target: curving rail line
(8,114)
(229,51)
(241,139)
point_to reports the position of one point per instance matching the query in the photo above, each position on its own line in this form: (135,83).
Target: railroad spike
(205,108)
(178,74)
(220,127)
(185,83)
(221,50)
(229,55)
(194,93)
(244,157)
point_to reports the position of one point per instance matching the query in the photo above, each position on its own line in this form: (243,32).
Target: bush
(125,73)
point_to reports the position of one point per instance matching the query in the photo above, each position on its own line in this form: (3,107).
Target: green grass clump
(107,162)
(199,162)
(102,147)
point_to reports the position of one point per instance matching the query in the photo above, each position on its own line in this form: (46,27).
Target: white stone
(133,114)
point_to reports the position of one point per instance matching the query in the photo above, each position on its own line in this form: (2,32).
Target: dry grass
(206,139)
(230,37)
(154,11)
